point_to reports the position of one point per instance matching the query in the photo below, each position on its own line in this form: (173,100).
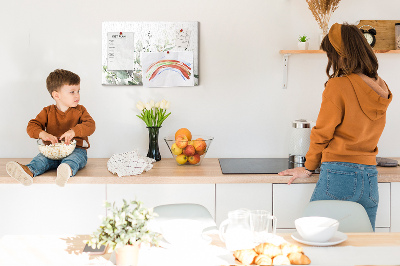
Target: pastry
(281,260)
(268,249)
(298,258)
(263,260)
(245,256)
(290,248)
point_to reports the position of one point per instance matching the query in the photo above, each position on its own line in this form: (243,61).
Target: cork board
(169,38)
(385,38)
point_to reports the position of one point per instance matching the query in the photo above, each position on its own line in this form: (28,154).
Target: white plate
(338,238)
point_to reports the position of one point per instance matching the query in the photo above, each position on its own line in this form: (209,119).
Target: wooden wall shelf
(322,52)
(286,54)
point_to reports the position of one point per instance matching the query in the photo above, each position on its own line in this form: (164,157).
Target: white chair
(351,215)
(186,211)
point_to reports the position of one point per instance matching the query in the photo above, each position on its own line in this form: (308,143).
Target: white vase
(302,45)
(127,255)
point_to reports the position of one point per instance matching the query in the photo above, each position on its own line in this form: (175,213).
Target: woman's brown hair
(358,54)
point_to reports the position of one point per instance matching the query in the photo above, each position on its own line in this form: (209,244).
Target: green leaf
(122,74)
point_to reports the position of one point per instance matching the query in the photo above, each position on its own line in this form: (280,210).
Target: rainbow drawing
(174,65)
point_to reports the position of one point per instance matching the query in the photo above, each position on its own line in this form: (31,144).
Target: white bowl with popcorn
(56,151)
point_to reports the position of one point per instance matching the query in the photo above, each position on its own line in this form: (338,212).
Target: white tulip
(152,103)
(148,106)
(140,107)
(157,104)
(167,105)
(162,104)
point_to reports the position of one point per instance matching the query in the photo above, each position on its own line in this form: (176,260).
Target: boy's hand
(67,136)
(48,137)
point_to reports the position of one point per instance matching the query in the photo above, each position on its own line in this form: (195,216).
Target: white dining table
(358,249)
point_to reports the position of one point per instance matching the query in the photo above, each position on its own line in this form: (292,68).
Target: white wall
(239,101)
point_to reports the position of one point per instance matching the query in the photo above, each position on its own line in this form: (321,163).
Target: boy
(66,120)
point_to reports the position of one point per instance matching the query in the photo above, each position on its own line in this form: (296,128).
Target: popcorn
(57,151)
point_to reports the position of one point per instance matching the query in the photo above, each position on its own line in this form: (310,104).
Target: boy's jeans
(76,160)
(351,182)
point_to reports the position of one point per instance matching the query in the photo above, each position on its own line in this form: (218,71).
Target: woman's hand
(48,137)
(296,173)
(67,136)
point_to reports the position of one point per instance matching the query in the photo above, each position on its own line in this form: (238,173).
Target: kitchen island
(75,208)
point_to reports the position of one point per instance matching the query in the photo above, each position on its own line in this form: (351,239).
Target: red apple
(189,150)
(199,144)
(201,152)
(181,141)
(195,159)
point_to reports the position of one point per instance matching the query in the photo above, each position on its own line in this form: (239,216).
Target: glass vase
(154,151)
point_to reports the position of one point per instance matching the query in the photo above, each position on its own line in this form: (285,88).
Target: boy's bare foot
(20,172)
(64,172)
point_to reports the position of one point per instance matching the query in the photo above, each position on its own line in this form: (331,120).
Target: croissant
(281,260)
(298,258)
(290,248)
(245,256)
(263,260)
(268,249)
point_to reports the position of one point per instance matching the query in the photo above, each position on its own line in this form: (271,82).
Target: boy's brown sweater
(56,123)
(350,122)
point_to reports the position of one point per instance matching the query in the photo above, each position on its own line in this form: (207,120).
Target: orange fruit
(184,131)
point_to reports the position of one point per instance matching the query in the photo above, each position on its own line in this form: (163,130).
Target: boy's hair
(359,56)
(60,77)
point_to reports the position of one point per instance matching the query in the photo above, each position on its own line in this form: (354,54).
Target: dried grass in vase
(322,11)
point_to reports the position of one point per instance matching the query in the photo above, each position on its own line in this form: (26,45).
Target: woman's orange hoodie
(350,122)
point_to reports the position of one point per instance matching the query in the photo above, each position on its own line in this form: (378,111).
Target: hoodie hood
(373,95)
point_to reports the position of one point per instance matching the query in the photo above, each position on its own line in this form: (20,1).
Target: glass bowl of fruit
(188,151)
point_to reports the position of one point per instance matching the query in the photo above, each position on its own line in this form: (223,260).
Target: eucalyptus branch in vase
(153,114)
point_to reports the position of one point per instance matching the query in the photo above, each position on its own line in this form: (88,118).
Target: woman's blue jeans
(351,182)
(76,160)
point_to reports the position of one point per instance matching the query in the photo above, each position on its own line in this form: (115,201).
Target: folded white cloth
(129,163)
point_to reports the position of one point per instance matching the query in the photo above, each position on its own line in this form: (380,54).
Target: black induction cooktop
(253,165)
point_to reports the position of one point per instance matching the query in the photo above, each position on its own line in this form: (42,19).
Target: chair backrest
(186,211)
(351,215)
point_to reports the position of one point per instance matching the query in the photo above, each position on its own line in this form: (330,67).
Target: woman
(350,122)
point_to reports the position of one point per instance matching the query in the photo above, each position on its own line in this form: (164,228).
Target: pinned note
(120,51)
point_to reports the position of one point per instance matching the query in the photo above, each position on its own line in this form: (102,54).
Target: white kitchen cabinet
(231,197)
(289,202)
(49,209)
(383,213)
(159,194)
(395,208)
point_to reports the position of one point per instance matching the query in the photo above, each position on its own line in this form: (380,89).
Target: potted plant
(303,42)
(123,229)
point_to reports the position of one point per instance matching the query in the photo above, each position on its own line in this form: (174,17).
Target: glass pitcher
(236,231)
